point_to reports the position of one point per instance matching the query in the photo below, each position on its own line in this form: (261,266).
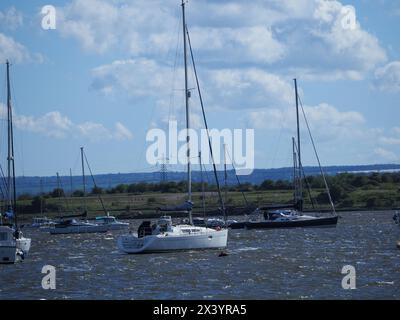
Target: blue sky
(106,75)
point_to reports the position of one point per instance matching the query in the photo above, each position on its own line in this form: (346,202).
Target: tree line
(341,186)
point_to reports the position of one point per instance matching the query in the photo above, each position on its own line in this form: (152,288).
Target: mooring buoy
(222,254)
(398,244)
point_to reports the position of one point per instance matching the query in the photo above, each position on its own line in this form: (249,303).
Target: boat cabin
(106,220)
(6,235)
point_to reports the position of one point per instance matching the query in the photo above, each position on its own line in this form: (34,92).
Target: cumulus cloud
(307,35)
(385,155)
(245,88)
(11,19)
(387,78)
(54,124)
(12,50)
(325,120)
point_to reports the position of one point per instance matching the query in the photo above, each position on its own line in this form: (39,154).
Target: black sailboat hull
(318,222)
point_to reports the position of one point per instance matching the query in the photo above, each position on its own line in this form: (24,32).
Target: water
(262,264)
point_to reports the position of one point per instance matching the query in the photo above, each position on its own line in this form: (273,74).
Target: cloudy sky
(112,69)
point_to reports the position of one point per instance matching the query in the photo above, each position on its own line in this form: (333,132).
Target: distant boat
(40,222)
(291,215)
(111,223)
(74,226)
(70,225)
(164,236)
(396,218)
(12,242)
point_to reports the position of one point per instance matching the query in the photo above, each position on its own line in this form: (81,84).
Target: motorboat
(71,226)
(164,236)
(39,222)
(111,223)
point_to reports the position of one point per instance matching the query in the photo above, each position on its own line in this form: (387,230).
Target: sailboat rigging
(164,236)
(13,245)
(291,216)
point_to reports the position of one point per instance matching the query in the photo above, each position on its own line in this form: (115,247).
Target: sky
(112,69)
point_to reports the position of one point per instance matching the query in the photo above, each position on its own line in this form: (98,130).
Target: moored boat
(71,226)
(164,236)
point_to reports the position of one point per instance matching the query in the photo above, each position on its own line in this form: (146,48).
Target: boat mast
(225,175)
(202,187)
(300,191)
(10,157)
(84,181)
(295,194)
(221,200)
(187,96)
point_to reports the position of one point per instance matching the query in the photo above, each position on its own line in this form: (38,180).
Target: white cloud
(54,124)
(325,121)
(385,155)
(287,35)
(11,19)
(246,88)
(137,77)
(12,50)
(387,78)
(122,132)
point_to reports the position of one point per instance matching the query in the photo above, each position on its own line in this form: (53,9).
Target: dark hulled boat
(292,215)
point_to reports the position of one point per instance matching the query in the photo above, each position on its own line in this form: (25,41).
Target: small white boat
(39,222)
(164,236)
(111,223)
(9,251)
(73,226)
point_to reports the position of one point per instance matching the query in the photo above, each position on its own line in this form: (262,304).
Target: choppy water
(262,264)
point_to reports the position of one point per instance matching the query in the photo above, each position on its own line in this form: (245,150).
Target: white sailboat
(69,225)
(9,252)
(12,242)
(164,236)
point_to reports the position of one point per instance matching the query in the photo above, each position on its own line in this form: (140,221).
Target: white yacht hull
(8,254)
(207,239)
(78,229)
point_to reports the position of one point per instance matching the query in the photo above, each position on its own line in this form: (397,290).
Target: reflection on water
(262,264)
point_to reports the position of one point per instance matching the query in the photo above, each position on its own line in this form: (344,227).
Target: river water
(261,264)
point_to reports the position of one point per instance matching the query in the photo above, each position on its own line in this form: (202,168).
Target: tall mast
(225,175)
(84,181)
(187,96)
(300,191)
(70,181)
(59,193)
(10,157)
(41,196)
(295,172)
(202,187)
